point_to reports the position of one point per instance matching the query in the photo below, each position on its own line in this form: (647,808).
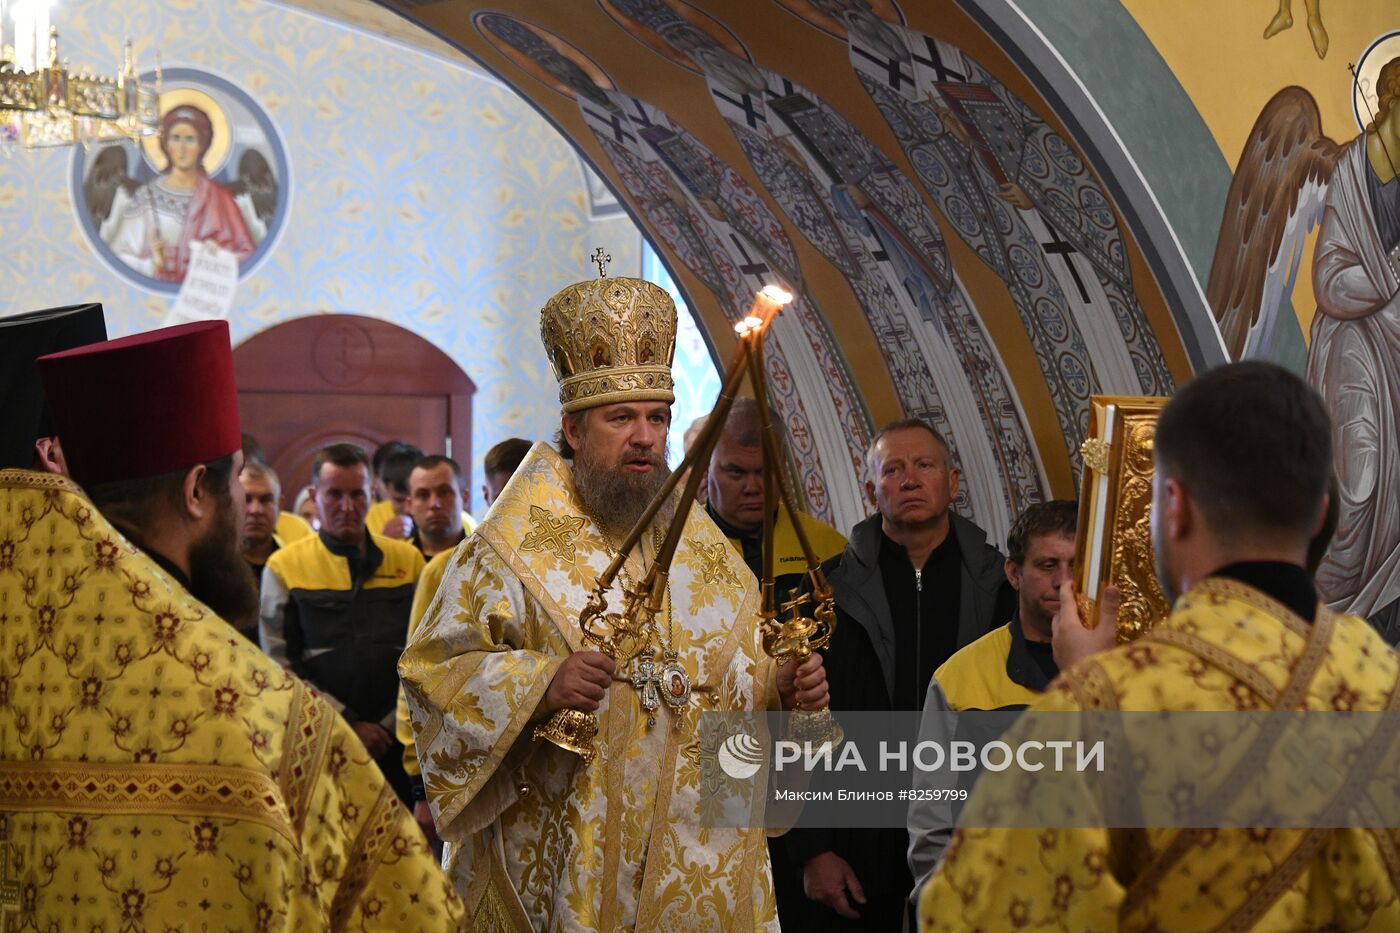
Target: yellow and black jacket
(340,620)
(789,563)
(292,528)
(995,672)
(427,588)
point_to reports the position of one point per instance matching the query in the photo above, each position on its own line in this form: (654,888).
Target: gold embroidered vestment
(537,839)
(1225,647)
(158,772)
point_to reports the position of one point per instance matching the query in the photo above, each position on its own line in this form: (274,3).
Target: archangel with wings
(1291,178)
(149,227)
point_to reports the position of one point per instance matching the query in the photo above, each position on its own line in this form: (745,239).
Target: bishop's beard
(617,496)
(219,576)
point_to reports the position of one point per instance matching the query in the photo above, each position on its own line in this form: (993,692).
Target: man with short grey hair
(916,583)
(262,492)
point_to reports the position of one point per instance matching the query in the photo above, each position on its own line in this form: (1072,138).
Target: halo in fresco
(214,158)
(217,172)
(544,56)
(689,55)
(1368,69)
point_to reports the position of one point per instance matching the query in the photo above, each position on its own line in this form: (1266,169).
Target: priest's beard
(616,496)
(219,576)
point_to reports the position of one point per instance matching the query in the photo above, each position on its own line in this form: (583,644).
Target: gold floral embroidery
(132,721)
(624,838)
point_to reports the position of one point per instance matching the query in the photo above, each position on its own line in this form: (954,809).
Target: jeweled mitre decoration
(610,340)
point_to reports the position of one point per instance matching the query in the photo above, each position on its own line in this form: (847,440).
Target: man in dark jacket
(915,584)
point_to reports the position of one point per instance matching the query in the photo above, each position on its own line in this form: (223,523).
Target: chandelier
(43,104)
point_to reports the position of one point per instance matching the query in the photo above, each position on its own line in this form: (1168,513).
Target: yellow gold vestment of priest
(538,840)
(1225,647)
(158,772)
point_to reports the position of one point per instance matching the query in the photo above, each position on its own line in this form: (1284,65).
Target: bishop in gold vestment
(538,839)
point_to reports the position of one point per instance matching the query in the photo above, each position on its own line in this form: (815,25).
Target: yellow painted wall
(1219,54)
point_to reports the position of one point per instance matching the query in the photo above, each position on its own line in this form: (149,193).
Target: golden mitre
(610,340)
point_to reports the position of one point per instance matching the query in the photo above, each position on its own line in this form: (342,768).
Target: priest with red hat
(155,766)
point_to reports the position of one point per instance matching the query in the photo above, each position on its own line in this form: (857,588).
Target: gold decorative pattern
(127,787)
(1095,453)
(610,340)
(304,752)
(714,567)
(9,888)
(133,721)
(553,534)
(1118,484)
(491,914)
(1224,647)
(472,702)
(376,836)
(1134,566)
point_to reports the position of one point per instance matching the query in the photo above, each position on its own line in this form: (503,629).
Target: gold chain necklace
(671,684)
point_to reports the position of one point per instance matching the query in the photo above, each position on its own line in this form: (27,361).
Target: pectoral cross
(647,684)
(601,260)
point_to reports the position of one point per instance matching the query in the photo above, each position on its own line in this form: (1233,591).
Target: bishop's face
(628,438)
(620,458)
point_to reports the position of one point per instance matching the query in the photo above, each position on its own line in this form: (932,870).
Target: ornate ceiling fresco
(959,253)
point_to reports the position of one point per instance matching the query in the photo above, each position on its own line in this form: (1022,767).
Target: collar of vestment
(540,529)
(1221,618)
(1287,584)
(169,567)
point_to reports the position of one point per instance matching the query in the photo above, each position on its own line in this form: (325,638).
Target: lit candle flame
(776,294)
(747,324)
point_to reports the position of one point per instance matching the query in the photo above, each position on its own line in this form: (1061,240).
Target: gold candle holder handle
(618,635)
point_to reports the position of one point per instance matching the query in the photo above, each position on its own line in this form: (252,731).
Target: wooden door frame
(352,353)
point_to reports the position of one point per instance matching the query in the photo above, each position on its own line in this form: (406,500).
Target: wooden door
(341,377)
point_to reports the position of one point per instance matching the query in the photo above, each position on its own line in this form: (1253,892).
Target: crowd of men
(375,642)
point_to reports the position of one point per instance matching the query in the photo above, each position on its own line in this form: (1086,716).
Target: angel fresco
(1283,19)
(151,230)
(1289,178)
(211,175)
